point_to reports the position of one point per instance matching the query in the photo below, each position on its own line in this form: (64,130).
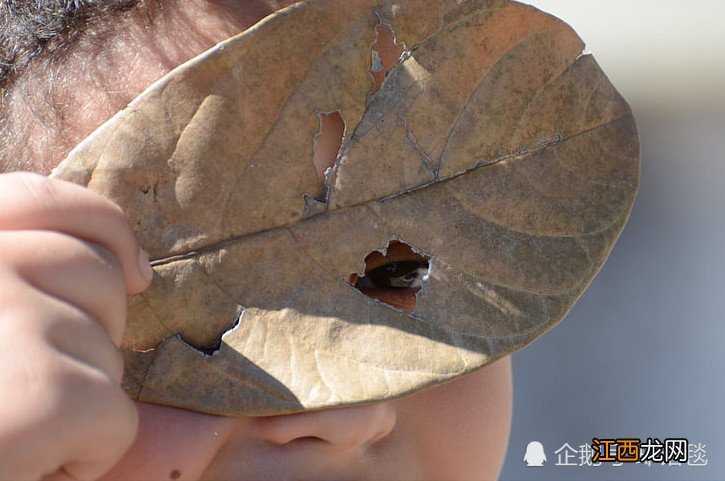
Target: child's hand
(68,258)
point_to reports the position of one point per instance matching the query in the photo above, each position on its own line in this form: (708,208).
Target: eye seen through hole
(394,278)
(397,275)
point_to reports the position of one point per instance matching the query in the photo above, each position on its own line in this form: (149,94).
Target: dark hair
(36,38)
(36,35)
(29,28)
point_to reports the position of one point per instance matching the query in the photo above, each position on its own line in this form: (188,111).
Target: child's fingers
(67,260)
(33,202)
(34,317)
(62,372)
(84,428)
(71,270)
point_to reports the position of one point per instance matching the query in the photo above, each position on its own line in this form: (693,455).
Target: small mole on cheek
(175,474)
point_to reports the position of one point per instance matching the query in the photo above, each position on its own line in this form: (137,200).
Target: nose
(344,429)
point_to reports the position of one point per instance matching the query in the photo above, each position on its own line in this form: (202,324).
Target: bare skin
(69,260)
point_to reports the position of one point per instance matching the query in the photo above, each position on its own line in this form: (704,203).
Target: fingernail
(145,265)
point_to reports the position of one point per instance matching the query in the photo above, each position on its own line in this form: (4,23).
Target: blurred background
(641,353)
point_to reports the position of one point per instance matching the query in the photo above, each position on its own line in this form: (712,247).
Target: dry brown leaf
(494,147)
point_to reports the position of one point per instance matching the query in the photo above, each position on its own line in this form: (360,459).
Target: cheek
(461,429)
(171,444)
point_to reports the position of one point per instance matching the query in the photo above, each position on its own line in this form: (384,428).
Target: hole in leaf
(327,145)
(385,54)
(212,349)
(393,277)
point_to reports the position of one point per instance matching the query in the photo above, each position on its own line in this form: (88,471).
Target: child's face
(455,431)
